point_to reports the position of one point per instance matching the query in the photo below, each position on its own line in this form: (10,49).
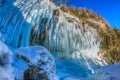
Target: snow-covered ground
(110,72)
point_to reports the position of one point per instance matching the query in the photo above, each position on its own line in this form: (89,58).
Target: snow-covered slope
(110,72)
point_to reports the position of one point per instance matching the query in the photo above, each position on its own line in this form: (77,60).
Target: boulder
(34,63)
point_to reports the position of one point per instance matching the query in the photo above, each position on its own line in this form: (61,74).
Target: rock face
(34,63)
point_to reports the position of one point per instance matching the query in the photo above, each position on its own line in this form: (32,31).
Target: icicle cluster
(40,22)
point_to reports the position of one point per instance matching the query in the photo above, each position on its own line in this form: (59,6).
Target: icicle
(34,22)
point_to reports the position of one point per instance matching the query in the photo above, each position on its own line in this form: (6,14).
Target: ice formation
(35,22)
(41,22)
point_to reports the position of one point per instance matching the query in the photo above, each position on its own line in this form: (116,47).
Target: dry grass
(110,38)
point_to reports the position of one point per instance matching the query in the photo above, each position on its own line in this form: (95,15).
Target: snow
(110,72)
(14,65)
(37,56)
(6,70)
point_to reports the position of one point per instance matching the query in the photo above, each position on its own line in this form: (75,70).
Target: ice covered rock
(34,63)
(6,70)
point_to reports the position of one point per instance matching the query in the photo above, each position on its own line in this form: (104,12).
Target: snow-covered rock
(6,70)
(34,63)
(30,63)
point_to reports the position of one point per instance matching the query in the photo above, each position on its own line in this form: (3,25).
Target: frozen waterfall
(41,22)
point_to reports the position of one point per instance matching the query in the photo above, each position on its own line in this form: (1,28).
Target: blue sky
(108,9)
